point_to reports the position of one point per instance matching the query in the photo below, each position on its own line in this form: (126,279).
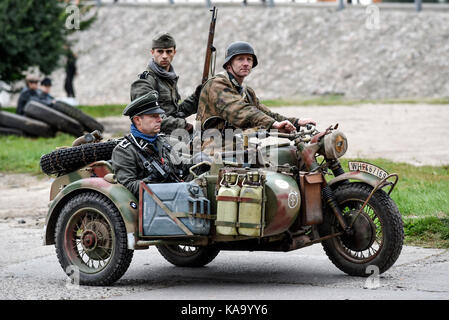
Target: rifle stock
(210,45)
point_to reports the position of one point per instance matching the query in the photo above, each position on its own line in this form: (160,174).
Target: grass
(22,154)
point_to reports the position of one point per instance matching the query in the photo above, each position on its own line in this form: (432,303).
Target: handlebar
(304,135)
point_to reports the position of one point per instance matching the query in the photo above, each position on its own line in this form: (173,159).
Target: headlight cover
(335,145)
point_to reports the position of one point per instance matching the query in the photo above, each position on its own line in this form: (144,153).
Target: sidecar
(96,223)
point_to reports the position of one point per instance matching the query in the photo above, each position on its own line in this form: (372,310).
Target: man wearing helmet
(225,96)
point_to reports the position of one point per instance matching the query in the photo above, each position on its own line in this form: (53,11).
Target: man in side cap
(161,76)
(27,93)
(144,154)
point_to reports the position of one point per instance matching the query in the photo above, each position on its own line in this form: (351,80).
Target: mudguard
(356,175)
(123,199)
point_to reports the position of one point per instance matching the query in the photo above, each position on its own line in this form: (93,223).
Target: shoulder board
(143,75)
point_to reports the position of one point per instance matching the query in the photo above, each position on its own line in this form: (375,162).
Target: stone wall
(301,51)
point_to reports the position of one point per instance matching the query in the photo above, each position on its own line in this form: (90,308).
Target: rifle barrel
(210,48)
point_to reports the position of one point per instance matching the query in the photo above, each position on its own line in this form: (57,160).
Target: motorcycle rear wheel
(378,232)
(188,256)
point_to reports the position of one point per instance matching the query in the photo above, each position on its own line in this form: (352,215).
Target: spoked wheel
(377,233)
(91,238)
(188,256)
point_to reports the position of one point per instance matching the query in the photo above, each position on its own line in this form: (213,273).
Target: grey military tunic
(128,166)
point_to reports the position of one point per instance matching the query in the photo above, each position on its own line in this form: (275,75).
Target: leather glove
(302,123)
(198,91)
(189,127)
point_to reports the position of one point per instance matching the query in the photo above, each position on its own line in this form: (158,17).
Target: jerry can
(227,205)
(250,206)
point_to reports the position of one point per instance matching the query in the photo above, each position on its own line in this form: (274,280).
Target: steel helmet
(239,47)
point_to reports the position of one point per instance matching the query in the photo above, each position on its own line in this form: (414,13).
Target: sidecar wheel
(91,240)
(378,231)
(188,256)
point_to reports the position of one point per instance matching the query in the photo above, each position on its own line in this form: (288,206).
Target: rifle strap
(143,155)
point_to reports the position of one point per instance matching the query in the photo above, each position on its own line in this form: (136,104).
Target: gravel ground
(410,133)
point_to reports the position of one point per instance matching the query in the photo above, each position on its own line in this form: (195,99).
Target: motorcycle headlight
(335,145)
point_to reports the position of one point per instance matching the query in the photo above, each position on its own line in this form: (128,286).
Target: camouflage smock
(239,106)
(128,166)
(169,98)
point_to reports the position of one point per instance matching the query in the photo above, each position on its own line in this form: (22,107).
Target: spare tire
(54,118)
(5,131)
(29,126)
(89,123)
(66,160)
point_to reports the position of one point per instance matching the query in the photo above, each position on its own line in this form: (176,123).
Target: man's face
(45,89)
(148,123)
(32,85)
(163,56)
(241,65)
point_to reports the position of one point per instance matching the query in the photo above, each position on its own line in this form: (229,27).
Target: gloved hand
(303,122)
(198,90)
(189,127)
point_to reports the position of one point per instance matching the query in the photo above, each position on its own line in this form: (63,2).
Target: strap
(195,215)
(140,153)
(239,224)
(238,199)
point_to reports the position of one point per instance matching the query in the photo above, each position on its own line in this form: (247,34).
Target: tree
(33,34)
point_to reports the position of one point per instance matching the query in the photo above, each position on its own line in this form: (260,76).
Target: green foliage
(31,34)
(34,33)
(423,226)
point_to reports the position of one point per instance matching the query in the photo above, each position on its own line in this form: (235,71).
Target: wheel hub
(363,232)
(95,240)
(89,240)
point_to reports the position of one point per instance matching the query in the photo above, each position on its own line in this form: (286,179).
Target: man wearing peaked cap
(161,76)
(144,154)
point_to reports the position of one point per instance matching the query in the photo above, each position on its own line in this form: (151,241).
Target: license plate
(368,168)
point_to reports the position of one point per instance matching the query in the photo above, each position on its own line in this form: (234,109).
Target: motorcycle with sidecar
(299,195)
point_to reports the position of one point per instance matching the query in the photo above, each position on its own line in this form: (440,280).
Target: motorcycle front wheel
(377,233)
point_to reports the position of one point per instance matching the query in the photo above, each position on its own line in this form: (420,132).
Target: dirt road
(409,133)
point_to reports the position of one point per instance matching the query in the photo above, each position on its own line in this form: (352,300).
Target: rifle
(210,45)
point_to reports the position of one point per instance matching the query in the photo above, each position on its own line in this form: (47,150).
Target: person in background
(27,93)
(70,70)
(44,92)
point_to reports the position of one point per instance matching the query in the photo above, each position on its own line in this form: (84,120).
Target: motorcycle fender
(356,175)
(123,199)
